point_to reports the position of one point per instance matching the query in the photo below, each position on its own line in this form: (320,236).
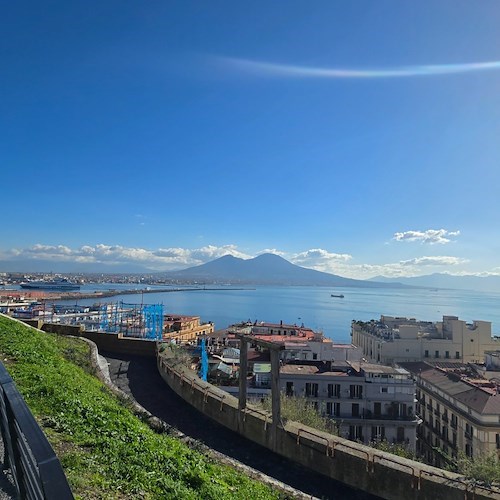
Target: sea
(314,306)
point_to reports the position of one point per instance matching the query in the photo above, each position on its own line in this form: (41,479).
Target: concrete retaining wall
(110,342)
(359,466)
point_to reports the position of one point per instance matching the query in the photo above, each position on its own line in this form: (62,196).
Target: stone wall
(108,342)
(376,472)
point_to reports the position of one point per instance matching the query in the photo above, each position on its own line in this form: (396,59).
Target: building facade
(182,328)
(393,340)
(368,402)
(460,412)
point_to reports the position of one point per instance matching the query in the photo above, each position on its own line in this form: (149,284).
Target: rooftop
(461,383)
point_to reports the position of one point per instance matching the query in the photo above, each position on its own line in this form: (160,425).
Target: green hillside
(106,451)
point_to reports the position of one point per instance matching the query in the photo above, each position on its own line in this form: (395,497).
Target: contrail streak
(259,68)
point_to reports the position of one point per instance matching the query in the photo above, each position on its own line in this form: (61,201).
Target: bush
(299,409)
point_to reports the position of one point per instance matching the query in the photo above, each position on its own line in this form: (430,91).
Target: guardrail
(35,468)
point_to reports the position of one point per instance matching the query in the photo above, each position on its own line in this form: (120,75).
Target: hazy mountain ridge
(439,280)
(268,269)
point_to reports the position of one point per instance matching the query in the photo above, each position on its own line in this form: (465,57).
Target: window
(400,435)
(436,355)
(334,390)
(336,409)
(447,354)
(333,409)
(329,409)
(454,421)
(311,389)
(355,410)
(426,353)
(469,431)
(457,355)
(355,391)
(377,409)
(378,432)
(356,432)
(289,389)
(498,441)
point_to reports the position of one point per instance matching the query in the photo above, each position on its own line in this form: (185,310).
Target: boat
(61,284)
(340,296)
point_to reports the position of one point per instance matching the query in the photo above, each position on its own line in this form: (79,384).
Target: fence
(35,468)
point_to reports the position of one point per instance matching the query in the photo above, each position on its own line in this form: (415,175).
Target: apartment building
(397,339)
(460,411)
(368,402)
(183,328)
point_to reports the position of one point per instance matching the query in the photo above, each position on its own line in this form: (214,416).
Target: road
(139,377)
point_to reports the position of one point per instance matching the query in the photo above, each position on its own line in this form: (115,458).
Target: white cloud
(172,258)
(161,259)
(263,69)
(431,236)
(442,260)
(273,251)
(321,260)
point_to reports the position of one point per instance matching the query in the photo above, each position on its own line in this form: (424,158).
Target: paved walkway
(139,377)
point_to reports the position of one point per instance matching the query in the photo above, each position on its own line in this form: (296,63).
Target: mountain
(439,280)
(267,269)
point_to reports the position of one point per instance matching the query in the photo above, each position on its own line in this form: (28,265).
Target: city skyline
(359,140)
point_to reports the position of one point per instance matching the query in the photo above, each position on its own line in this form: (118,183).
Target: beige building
(460,411)
(184,328)
(393,339)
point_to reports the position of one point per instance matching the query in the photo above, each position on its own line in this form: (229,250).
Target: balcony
(454,424)
(445,417)
(468,435)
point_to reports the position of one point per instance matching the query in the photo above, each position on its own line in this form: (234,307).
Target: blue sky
(359,138)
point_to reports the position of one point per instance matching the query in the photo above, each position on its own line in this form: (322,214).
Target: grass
(105,450)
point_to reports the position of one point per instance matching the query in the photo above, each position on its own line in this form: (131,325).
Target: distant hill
(438,280)
(267,269)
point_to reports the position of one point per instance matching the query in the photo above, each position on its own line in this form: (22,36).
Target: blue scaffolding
(110,316)
(141,320)
(153,321)
(204,361)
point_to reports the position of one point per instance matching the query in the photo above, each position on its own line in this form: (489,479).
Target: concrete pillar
(242,402)
(275,395)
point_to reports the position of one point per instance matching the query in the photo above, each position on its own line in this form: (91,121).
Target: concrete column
(242,403)
(275,395)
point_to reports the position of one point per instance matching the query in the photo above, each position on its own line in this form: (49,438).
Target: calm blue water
(314,306)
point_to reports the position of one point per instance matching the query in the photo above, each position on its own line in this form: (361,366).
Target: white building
(392,340)
(368,402)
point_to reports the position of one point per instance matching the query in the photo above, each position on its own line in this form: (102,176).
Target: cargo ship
(55,284)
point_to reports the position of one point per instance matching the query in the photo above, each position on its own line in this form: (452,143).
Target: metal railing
(36,470)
